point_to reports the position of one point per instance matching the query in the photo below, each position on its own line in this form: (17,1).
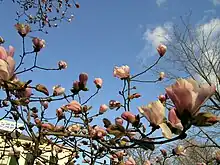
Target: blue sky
(105,34)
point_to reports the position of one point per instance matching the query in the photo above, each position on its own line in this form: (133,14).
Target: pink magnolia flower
(100,132)
(122,72)
(103,108)
(188,96)
(97,132)
(98,82)
(74,106)
(62,65)
(58,90)
(45,104)
(128,116)
(83,78)
(130,161)
(76,85)
(118,121)
(155,114)
(174,120)
(161,49)
(59,113)
(200,163)
(38,44)
(7,63)
(162,98)
(28,92)
(23,29)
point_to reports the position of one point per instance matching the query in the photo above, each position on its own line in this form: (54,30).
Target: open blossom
(122,72)
(58,90)
(154,112)
(62,65)
(128,116)
(98,82)
(7,63)
(74,106)
(161,49)
(103,108)
(188,96)
(23,29)
(174,120)
(38,44)
(130,161)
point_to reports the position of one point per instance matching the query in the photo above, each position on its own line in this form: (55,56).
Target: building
(19,155)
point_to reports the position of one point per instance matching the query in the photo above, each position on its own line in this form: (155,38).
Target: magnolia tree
(73,128)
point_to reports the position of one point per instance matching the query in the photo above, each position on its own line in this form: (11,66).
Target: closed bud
(103,108)
(161,49)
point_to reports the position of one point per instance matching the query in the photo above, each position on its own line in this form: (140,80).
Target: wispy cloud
(216,2)
(160,2)
(152,38)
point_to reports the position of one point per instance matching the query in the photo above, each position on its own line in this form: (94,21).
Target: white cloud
(152,38)
(216,2)
(160,2)
(212,27)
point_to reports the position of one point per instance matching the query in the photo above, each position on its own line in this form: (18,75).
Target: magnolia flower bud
(118,121)
(62,65)
(179,150)
(74,106)
(44,104)
(128,116)
(103,108)
(161,50)
(58,90)
(59,113)
(83,78)
(23,29)
(98,82)
(161,76)
(122,72)
(1,40)
(162,98)
(38,44)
